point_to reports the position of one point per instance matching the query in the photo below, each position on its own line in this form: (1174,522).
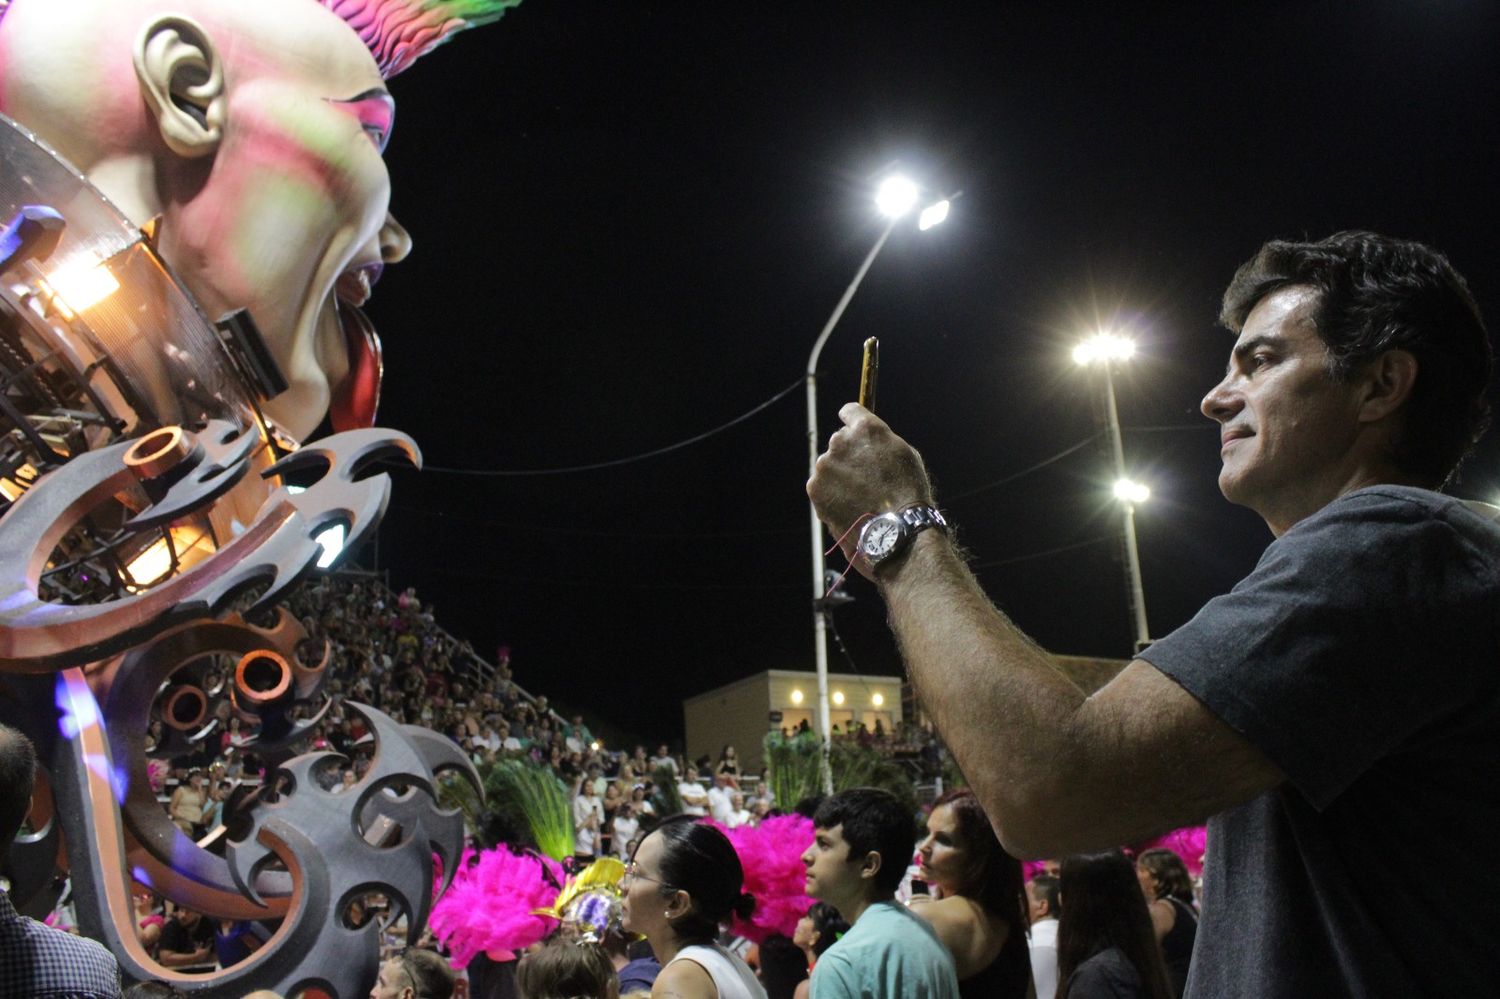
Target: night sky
(631,220)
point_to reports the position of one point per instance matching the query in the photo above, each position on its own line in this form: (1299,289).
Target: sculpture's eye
(376,111)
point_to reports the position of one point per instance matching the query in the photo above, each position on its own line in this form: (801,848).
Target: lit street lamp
(896,197)
(1105,349)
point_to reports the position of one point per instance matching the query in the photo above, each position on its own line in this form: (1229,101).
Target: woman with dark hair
(1105,944)
(817,931)
(978,904)
(729,762)
(783,967)
(684,881)
(1169,896)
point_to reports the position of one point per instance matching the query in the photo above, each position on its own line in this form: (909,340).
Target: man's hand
(866,469)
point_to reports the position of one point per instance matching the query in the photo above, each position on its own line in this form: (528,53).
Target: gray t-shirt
(1361,657)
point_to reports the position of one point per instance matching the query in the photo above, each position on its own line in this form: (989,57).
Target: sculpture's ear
(182,80)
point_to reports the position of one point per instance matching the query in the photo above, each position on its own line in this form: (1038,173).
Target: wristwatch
(885,536)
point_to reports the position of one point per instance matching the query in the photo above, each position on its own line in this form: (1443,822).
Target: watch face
(879,538)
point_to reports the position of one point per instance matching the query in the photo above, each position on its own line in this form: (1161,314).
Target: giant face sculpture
(253,133)
(248,136)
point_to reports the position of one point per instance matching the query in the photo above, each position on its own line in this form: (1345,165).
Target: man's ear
(870,866)
(182,80)
(1388,383)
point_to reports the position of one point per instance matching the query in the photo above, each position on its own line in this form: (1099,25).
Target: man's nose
(1220,403)
(395,241)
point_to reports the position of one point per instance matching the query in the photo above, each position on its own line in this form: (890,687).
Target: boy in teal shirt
(864,838)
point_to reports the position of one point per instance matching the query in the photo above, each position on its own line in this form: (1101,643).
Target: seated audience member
(564,969)
(729,762)
(719,797)
(188,804)
(817,931)
(186,939)
(36,960)
(978,903)
(414,974)
(739,815)
(1105,944)
(664,758)
(1042,893)
(1169,896)
(783,967)
(694,797)
(862,840)
(682,884)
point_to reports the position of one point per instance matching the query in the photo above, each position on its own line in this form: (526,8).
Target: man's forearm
(1002,707)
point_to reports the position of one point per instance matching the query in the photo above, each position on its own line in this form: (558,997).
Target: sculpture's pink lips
(354,286)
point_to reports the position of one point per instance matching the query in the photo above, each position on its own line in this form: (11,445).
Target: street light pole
(820,622)
(1127,505)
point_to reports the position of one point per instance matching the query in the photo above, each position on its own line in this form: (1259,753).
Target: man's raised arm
(1057,772)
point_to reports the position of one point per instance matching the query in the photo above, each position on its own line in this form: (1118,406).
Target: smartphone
(868,373)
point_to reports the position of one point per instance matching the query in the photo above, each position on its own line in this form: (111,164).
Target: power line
(616,462)
(1043,554)
(1025,471)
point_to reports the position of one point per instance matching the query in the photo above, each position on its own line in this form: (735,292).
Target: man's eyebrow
(1247,347)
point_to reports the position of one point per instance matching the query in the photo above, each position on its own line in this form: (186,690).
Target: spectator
(738,815)
(664,758)
(863,838)
(588,822)
(414,974)
(1169,896)
(783,967)
(978,901)
(36,960)
(626,825)
(683,882)
(565,969)
(719,802)
(186,939)
(817,931)
(1105,945)
(187,805)
(729,762)
(1041,892)
(694,797)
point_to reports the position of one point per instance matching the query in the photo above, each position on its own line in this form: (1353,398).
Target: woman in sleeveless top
(1169,894)
(978,904)
(685,881)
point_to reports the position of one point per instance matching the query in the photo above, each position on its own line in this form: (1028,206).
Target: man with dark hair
(864,839)
(1042,900)
(1334,708)
(36,960)
(414,974)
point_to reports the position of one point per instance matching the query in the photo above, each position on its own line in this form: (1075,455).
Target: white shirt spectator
(718,803)
(1044,957)
(511,744)
(588,819)
(625,829)
(694,798)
